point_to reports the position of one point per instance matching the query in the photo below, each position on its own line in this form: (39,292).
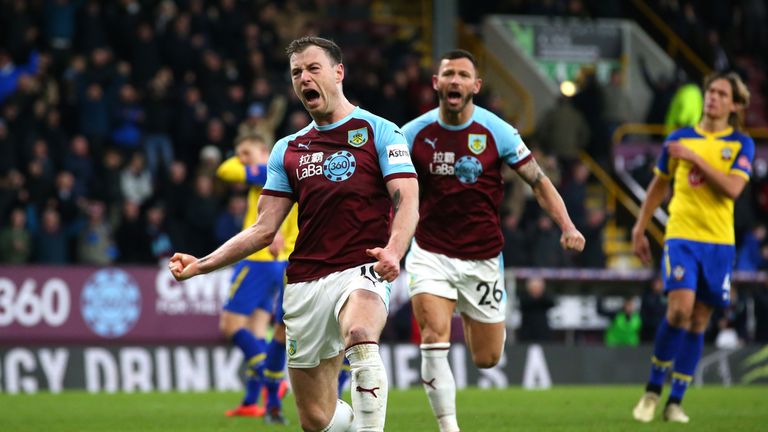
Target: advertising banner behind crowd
(88,305)
(218,368)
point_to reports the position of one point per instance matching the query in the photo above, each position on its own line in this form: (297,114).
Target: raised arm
(551,201)
(272,211)
(405,204)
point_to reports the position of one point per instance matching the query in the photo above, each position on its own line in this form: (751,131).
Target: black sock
(674,400)
(653,388)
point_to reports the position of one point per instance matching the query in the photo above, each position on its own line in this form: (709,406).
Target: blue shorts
(256,285)
(703,267)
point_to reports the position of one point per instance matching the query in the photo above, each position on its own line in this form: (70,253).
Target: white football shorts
(477,286)
(312,308)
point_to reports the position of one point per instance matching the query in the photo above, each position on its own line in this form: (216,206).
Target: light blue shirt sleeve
(413,127)
(509,144)
(277,178)
(391,147)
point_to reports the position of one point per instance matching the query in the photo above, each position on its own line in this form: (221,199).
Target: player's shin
(437,378)
(668,343)
(274,374)
(254,351)
(369,386)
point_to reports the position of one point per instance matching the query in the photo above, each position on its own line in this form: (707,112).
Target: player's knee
(227,329)
(357,334)
(679,317)
(486,360)
(698,325)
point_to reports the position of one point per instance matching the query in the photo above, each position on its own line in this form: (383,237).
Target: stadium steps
(616,241)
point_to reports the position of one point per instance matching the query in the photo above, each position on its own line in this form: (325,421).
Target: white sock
(369,386)
(342,418)
(437,378)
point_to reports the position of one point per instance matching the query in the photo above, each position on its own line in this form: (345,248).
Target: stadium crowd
(115,115)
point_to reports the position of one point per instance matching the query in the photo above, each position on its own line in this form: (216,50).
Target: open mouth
(311,95)
(454,97)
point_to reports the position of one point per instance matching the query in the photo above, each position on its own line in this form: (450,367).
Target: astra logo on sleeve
(397,154)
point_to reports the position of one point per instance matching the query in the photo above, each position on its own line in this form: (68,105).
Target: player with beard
(348,171)
(455,259)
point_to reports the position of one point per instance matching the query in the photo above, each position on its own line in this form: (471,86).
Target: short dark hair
(459,54)
(331,49)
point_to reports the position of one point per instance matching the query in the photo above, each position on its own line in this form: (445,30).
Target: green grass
(561,409)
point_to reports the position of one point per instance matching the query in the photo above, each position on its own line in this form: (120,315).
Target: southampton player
(709,165)
(348,171)
(454,262)
(257,283)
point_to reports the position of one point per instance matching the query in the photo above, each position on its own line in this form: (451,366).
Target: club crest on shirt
(291,347)
(727,153)
(695,176)
(357,137)
(476,143)
(678,273)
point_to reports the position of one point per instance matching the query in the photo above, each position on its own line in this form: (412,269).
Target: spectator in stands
(617,106)
(78,162)
(589,101)
(159,117)
(750,256)
(535,304)
(162,236)
(545,244)
(95,243)
(593,255)
(10,73)
(210,159)
(563,131)
(51,242)
(108,188)
(175,192)
(575,193)
(136,180)
(265,112)
(515,250)
(625,324)
(216,138)
(128,120)
(663,89)
(68,200)
(131,236)
(230,221)
(200,217)
(15,241)
(728,326)
(189,126)
(653,306)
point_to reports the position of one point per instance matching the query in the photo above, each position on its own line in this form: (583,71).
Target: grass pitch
(606,408)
